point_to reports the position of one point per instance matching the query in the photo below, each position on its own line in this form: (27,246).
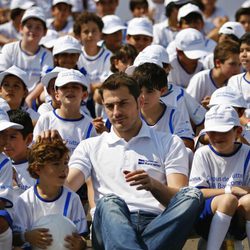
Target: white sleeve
(195,89)
(78,216)
(80,159)
(198,175)
(106,68)
(6,57)
(6,176)
(47,62)
(40,126)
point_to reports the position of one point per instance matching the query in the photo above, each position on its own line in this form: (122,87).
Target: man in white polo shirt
(138,176)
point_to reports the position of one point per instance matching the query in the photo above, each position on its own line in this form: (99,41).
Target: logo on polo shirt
(148,162)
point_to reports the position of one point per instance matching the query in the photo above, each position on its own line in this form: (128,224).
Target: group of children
(184,87)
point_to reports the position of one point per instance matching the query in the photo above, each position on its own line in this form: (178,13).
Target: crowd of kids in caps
(63,65)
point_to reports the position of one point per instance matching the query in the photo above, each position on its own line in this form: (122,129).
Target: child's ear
(217,63)
(29,139)
(164,90)
(85,94)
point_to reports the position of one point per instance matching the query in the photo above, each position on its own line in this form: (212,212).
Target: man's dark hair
(245,38)
(240,12)
(134,3)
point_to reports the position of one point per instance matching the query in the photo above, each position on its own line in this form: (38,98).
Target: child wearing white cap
(227,64)
(140,33)
(190,47)
(14,89)
(62,21)
(6,187)
(113,32)
(221,171)
(9,31)
(71,88)
(28,54)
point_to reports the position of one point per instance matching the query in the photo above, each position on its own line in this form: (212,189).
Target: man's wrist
(228,190)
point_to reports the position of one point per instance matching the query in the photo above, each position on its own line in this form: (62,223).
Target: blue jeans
(115,227)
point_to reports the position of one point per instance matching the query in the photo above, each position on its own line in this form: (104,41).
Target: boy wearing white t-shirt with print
(221,171)
(48,162)
(6,191)
(71,88)
(27,54)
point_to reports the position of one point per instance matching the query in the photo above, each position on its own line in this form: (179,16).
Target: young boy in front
(221,171)
(16,148)
(48,162)
(6,194)
(71,88)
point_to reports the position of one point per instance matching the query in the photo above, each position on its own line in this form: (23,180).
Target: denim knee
(192,192)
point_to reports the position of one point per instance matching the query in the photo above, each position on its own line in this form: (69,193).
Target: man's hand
(49,135)
(75,242)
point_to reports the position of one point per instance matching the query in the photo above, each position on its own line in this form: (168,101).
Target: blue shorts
(236,229)
(6,215)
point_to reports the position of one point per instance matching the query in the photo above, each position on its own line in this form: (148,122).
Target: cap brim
(5,124)
(66,49)
(140,32)
(113,29)
(73,81)
(5,73)
(217,128)
(195,54)
(46,79)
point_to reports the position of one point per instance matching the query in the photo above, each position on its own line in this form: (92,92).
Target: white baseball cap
(112,24)
(221,118)
(228,96)
(49,39)
(14,70)
(153,53)
(191,42)
(140,26)
(66,44)
(55,2)
(246,4)
(21,4)
(34,12)
(177,2)
(232,28)
(5,122)
(71,75)
(187,9)
(50,75)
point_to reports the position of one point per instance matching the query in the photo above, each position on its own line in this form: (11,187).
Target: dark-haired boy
(242,16)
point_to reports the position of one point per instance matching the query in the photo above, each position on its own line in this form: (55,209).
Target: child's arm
(75,242)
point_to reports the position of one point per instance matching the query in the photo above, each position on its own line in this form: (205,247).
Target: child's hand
(99,125)
(39,237)
(75,242)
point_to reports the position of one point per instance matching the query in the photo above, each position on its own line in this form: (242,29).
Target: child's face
(113,41)
(71,94)
(139,41)
(67,60)
(121,65)
(245,21)
(245,56)
(223,142)
(55,172)
(230,67)
(198,25)
(16,146)
(106,7)
(151,98)
(140,11)
(90,34)
(13,91)
(61,12)
(32,31)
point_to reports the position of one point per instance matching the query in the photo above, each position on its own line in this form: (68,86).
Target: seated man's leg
(170,229)
(112,227)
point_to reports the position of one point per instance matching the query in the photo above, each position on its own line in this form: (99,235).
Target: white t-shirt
(173,122)
(201,85)
(34,65)
(105,157)
(208,61)
(6,176)
(8,30)
(211,169)
(97,66)
(187,105)
(179,76)
(31,206)
(71,130)
(23,178)
(163,34)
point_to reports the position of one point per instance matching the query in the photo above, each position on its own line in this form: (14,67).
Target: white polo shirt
(105,157)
